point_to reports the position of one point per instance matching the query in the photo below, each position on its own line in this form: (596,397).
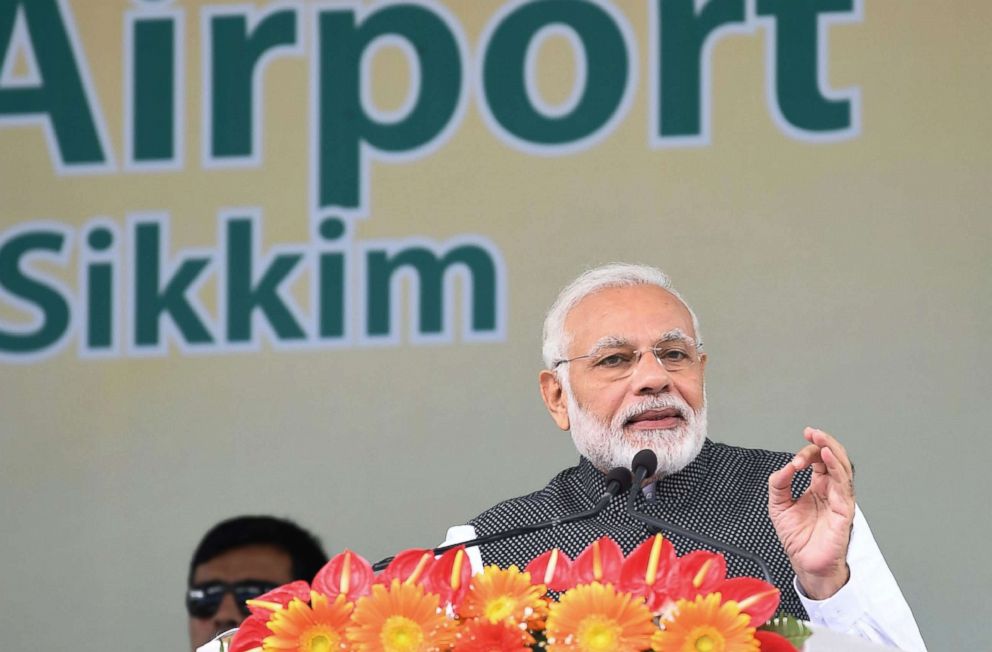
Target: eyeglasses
(203,600)
(618,362)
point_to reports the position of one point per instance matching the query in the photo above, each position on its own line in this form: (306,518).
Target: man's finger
(780,487)
(838,472)
(808,455)
(826,440)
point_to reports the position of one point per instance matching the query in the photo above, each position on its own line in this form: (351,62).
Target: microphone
(618,480)
(645,463)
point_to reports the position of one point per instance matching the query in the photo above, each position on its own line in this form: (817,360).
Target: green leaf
(789,627)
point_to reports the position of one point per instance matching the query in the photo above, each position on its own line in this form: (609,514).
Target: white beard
(608,446)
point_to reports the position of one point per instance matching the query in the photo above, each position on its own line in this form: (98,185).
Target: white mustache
(659,402)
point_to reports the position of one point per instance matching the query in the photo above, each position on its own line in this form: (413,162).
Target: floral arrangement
(650,600)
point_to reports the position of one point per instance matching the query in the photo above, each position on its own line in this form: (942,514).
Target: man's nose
(650,376)
(228,615)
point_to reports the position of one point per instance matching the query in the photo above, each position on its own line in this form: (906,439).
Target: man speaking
(624,371)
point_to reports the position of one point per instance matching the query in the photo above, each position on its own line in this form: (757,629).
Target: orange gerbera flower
(401,618)
(595,618)
(499,595)
(315,627)
(705,625)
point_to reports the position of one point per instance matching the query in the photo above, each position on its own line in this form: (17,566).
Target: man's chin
(674,447)
(647,438)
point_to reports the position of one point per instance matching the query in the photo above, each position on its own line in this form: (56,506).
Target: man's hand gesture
(815,530)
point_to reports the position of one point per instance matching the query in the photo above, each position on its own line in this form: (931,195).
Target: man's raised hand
(815,530)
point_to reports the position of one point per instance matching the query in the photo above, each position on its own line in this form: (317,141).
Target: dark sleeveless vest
(723,493)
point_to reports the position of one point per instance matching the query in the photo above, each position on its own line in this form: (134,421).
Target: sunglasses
(203,600)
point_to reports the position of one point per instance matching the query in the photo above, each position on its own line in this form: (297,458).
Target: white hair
(612,275)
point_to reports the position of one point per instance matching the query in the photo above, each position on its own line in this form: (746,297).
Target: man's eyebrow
(609,342)
(675,334)
(618,341)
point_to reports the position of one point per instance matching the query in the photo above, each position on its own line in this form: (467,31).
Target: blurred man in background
(240,559)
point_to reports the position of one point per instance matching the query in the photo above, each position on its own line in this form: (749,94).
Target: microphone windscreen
(621,476)
(647,459)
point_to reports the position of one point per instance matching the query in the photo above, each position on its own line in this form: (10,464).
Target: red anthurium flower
(770,642)
(648,571)
(756,598)
(278,597)
(250,634)
(449,576)
(553,569)
(600,562)
(409,567)
(346,573)
(480,635)
(700,572)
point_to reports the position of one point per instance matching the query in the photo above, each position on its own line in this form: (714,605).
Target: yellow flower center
(598,634)
(400,634)
(706,639)
(319,641)
(499,609)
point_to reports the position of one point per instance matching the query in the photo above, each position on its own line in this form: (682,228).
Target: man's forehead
(253,561)
(631,312)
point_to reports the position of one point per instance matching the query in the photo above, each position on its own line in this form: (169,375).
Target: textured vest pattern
(723,493)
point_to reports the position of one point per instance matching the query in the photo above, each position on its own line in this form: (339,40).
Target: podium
(826,640)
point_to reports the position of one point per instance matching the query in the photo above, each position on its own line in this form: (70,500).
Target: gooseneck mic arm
(618,481)
(645,463)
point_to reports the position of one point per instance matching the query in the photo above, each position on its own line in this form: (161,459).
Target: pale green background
(842,285)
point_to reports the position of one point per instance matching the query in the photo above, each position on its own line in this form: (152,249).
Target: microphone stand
(617,481)
(659,524)
(645,463)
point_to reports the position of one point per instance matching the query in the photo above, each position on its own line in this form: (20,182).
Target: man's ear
(554,398)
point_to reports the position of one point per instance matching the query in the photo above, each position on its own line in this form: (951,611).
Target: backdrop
(293,258)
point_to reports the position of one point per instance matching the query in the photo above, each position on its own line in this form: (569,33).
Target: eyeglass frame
(228,587)
(639,353)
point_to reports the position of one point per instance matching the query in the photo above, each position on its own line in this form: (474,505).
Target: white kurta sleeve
(460,533)
(870,606)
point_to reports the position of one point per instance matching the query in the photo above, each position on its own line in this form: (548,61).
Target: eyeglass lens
(614,364)
(203,600)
